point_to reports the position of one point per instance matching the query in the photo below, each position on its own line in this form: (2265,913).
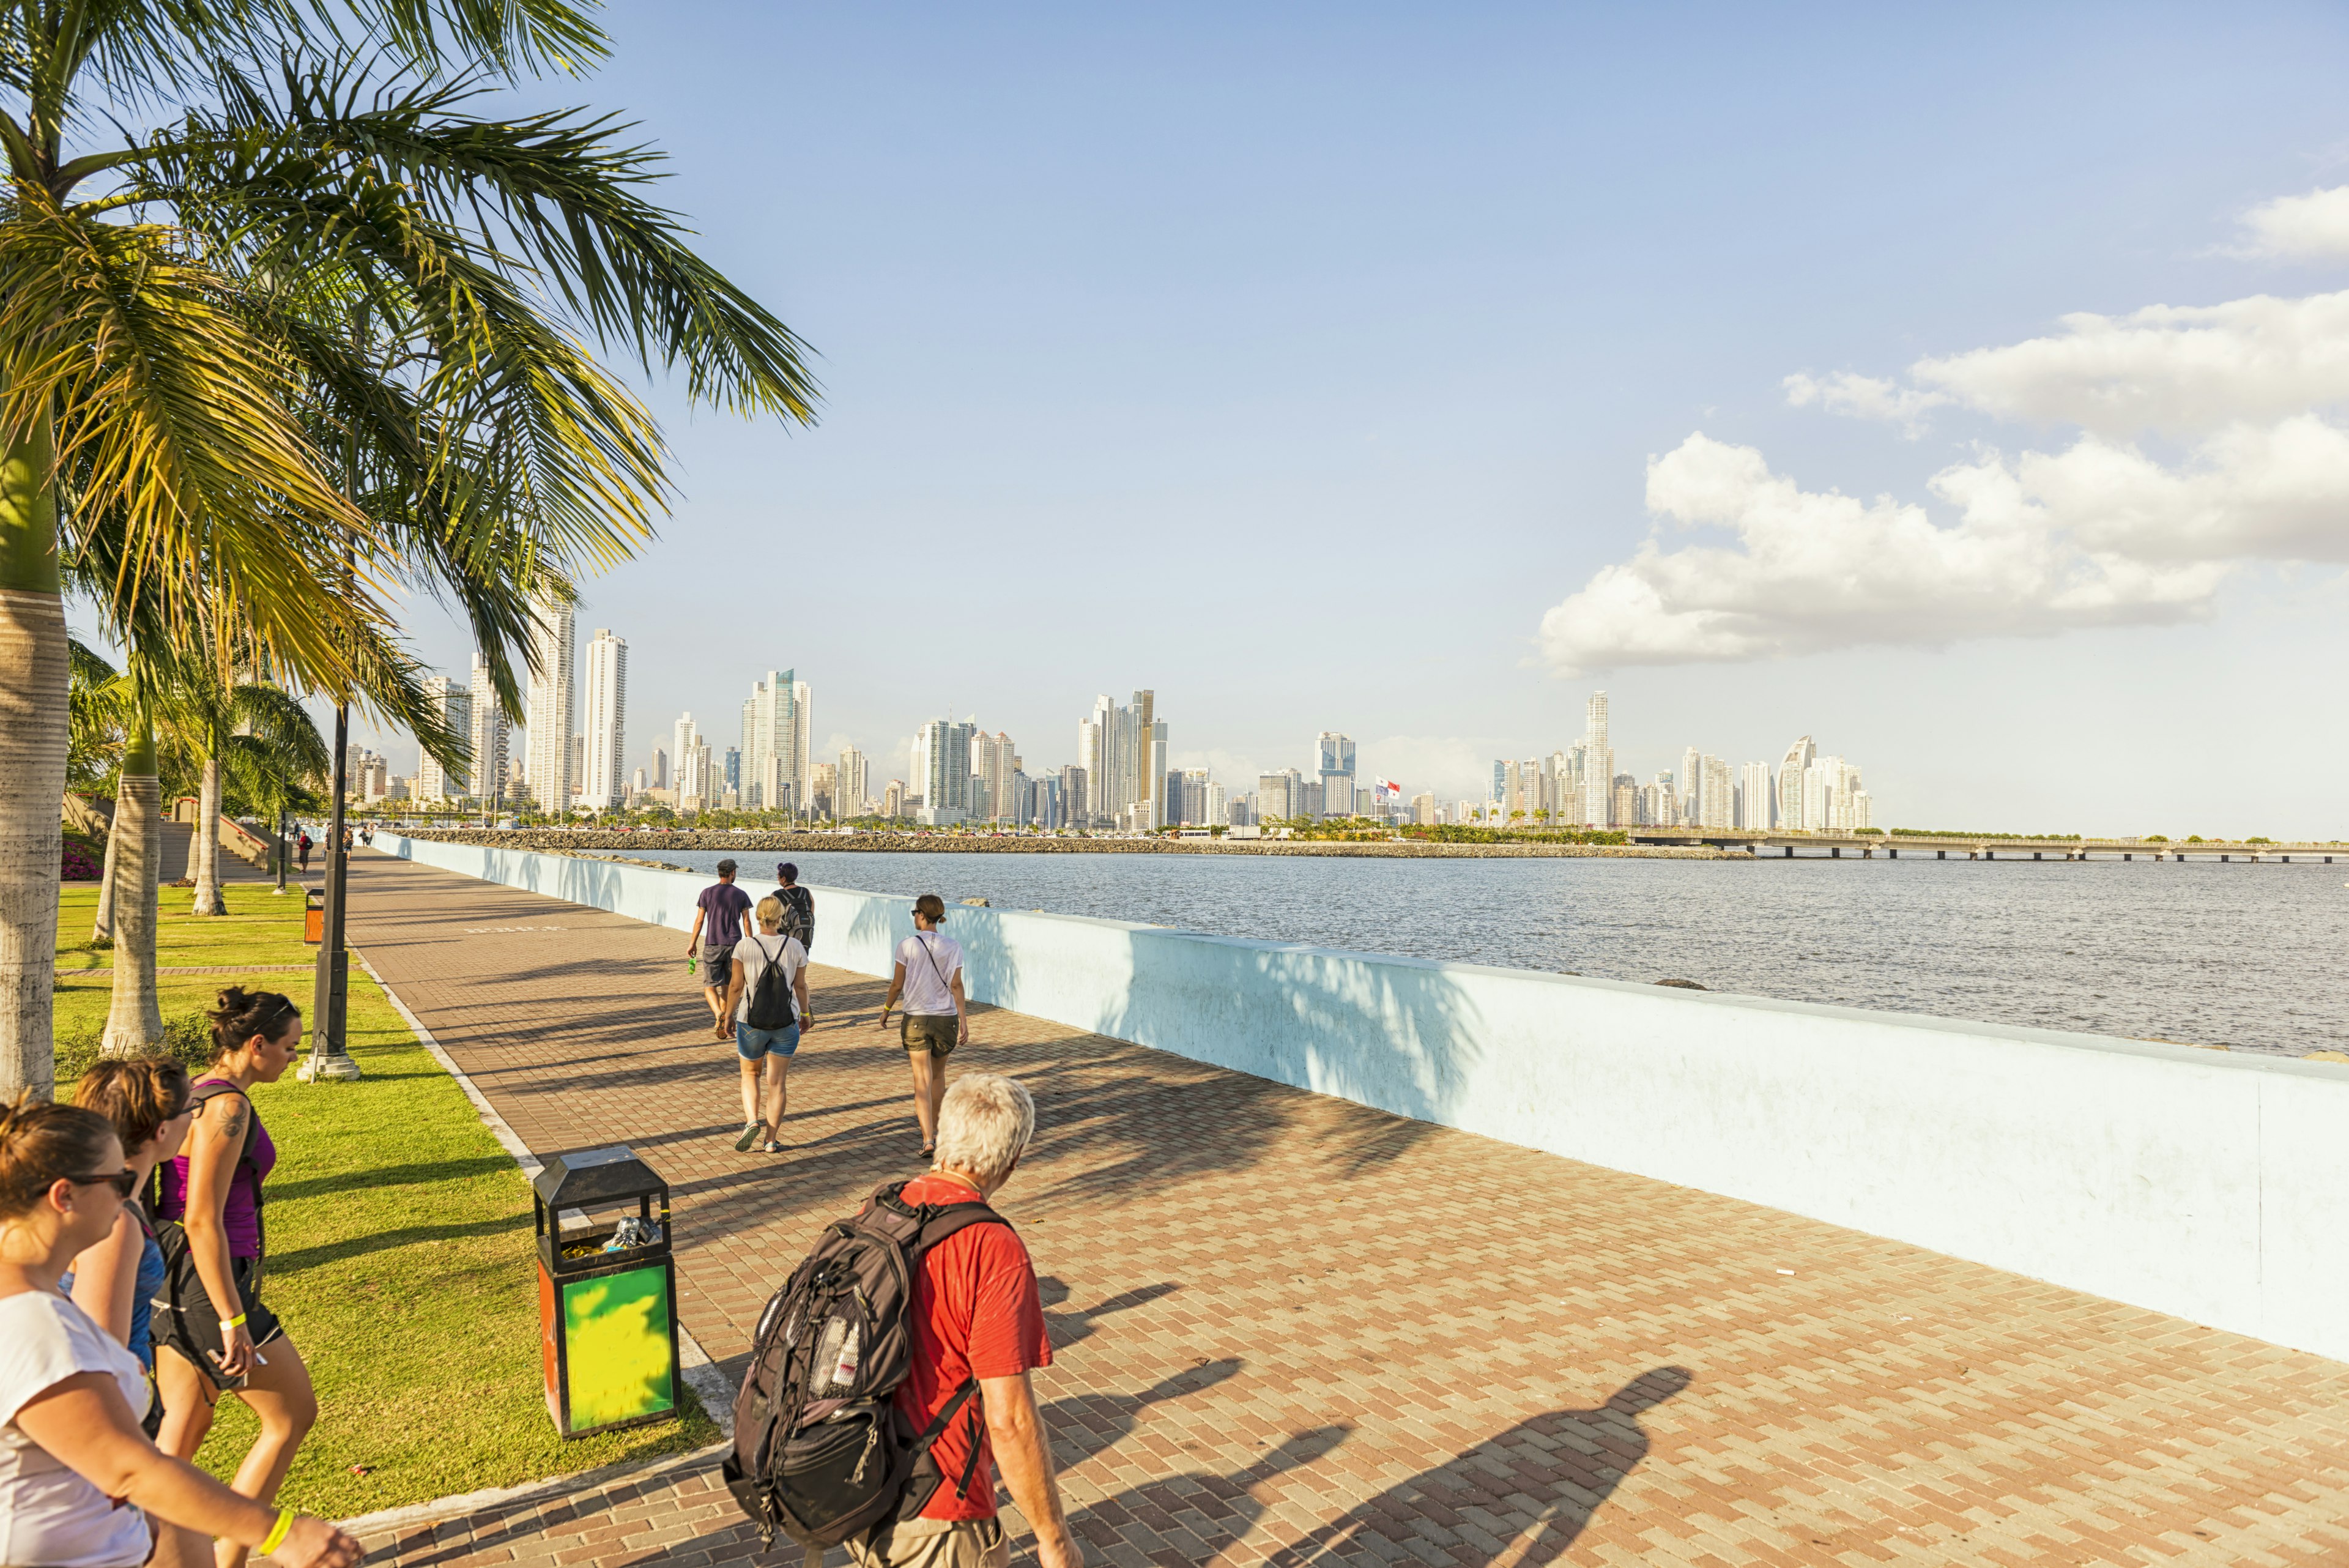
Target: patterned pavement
(1292,1330)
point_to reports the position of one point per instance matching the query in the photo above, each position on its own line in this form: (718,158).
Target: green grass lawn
(261,927)
(400,1250)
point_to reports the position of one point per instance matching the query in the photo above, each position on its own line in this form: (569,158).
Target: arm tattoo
(233,1130)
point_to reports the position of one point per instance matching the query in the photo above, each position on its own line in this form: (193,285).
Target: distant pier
(1953,847)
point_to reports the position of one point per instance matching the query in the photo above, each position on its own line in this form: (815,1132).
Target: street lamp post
(329,1057)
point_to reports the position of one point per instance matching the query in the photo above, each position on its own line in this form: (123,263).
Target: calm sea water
(2247,956)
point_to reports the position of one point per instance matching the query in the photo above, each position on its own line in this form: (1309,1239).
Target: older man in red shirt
(977,1313)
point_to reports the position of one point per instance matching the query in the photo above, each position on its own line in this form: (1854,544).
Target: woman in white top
(766,1053)
(80,1485)
(937,1017)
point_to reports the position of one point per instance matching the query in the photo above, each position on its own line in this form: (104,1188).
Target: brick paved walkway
(1293,1329)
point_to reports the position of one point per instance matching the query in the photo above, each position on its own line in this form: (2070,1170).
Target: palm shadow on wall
(1543,1478)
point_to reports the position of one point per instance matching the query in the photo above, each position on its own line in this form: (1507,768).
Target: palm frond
(170,417)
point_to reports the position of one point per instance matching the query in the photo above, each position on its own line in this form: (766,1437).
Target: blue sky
(1298,365)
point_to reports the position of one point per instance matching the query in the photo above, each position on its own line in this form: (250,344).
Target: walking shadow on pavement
(1195,1517)
(1519,1499)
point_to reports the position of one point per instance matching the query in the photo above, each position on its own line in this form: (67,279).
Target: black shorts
(717,965)
(199,1340)
(931,1032)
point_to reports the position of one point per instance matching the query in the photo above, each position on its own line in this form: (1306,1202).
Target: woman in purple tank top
(213,1190)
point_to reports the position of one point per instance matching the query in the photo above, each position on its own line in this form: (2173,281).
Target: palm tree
(134,1019)
(172,360)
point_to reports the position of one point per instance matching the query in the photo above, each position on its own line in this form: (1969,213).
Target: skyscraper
(993,763)
(456,707)
(942,770)
(1280,796)
(849,784)
(486,773)
(1599,790)
(603,786)
(1075,811)
(689,756)
(552,703)
(1754,797)
(1334,762)
(1797,762)
(774,743)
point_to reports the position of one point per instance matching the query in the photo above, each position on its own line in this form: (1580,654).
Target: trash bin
(314,916)
(606,1291)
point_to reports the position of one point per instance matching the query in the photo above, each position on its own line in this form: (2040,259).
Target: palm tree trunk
(206,851)
(33,723)
(135,1022)
(101,929)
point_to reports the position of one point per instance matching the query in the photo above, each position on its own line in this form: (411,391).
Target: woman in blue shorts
(766,1051)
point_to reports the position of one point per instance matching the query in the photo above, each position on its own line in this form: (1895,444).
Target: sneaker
(751,1134)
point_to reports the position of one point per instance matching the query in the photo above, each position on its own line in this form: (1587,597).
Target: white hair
(985,1125)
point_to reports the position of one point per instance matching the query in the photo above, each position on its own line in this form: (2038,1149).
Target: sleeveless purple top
(240,1217)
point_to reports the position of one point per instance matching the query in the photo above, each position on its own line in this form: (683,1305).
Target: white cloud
(1817,570)
(2314,227)
(1865,398)
(2179,370)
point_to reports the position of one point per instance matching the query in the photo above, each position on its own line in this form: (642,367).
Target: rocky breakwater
(562,841)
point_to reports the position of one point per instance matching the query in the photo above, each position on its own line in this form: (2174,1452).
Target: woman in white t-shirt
(928,975)
(80,1485)
(766,1053)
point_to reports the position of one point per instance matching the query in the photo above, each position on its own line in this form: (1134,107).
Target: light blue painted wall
(2211,1185)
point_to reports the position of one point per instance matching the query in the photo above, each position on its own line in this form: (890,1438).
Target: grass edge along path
(399,1258)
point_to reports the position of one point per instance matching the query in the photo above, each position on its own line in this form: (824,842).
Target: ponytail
(240,1016)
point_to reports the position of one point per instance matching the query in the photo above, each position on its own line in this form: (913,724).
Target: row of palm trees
(292,321)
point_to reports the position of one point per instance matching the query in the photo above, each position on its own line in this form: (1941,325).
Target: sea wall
(571,841)
(2210,1185)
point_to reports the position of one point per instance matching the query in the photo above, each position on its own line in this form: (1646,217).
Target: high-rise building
(1124,754)
(1623,801)
(892,798)
(660,768)
(602,784)
(1334,765)
(552,699)
(774,743)
(1754,797)
(455,705)
(485,775)
(1076,811)
(1215,816)
(1601,791)
(849,783)
(637,786)
(685,748)
(993,763)
(942,770)
(1279,796)
(1422,810)
(823,789)
(1791,772)
(1833,798)
(1186,798)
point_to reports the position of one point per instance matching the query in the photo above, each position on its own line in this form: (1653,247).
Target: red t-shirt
(977,1314)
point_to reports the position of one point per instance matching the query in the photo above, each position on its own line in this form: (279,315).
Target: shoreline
(559,841)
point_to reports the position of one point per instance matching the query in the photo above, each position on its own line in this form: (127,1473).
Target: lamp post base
(330,1067)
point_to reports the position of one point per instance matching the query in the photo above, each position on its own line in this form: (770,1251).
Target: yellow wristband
(236,1322)
(276,1536)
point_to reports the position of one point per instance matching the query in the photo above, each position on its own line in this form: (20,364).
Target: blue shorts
(752,1044)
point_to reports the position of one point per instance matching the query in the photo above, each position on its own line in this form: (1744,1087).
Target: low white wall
(2211,1185)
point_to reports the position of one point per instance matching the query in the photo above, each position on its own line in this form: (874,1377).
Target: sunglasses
(124,1182)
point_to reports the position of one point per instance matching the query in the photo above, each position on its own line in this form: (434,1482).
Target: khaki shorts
(938,1543)
(931,1032)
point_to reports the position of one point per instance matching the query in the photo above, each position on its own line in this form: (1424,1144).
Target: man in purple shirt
(717,927)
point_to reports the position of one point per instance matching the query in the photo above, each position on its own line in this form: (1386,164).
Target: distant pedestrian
(937,1017)
(768,1014)
(799,905)
(978,1328)
(302,844)
(717,927)
(79,1483)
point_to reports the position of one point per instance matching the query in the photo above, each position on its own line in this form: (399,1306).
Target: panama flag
(1387,786)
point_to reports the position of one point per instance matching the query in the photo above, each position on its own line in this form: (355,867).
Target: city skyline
(1618,404)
